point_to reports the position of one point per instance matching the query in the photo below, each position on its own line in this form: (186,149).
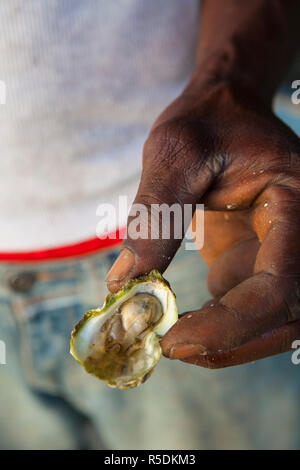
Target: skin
(220,144)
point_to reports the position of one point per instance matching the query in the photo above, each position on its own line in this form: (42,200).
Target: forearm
(247,43)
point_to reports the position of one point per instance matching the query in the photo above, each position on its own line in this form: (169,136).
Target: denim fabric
(48,401)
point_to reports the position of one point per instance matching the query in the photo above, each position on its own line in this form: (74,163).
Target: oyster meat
(120,342)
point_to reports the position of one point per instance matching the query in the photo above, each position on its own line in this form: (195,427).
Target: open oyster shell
(119,343)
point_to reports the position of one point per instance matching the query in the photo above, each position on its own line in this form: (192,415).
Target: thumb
(162,210)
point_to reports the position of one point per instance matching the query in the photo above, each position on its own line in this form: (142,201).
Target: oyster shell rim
(153,276)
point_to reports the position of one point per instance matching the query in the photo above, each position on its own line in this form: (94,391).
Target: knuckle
(149,198)
(161,188)
(172,143)
(183,150)
(281,194)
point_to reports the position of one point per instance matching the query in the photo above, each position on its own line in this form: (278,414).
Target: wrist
(247,47)
(222,74)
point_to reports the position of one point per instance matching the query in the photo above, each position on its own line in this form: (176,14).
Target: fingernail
(121,267)
(179,351)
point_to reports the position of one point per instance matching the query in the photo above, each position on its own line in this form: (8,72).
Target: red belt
(77,249)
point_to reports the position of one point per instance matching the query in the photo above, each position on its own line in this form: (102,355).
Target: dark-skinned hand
(227,150)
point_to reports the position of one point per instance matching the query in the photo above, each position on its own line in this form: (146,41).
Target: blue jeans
(48,401)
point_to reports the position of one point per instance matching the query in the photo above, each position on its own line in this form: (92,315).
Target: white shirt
(84,82)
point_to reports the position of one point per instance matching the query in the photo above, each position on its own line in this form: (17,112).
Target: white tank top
(84,82)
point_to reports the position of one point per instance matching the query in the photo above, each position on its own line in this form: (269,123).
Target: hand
(227,150)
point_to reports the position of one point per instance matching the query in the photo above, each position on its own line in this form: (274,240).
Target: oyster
(120,342)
